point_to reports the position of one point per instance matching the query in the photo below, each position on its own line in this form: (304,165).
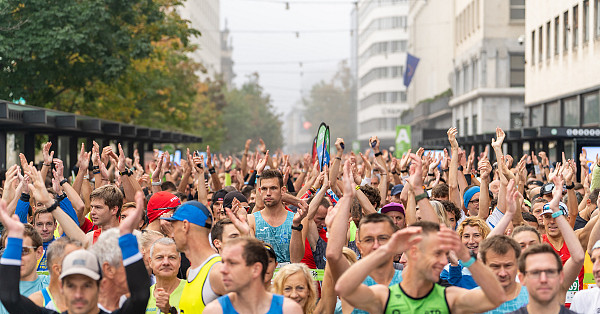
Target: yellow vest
(173,298)
(191,301)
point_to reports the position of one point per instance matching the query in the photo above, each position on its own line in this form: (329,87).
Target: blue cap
(397,189)
(192,211)
(469,195)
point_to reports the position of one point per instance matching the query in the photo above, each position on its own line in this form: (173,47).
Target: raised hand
(339,144)
(238,220)
(402,240)
(497,143)
(247,145)
(485,168)
(348,180)
(260,166)
(556,193)
(47,154)
(452,132)
(299,215)
(376,142)
(14,227)
(416,172)
(262,146)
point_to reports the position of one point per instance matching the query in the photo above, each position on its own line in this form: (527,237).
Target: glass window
(556,28)
(516,120)
(548,41)
(474,124)
(591,110)
(517,70)
(517,9)
(537,117)
(553,114)
(575,26)
(566,32)
(540,44)
(597,17)
(586,19)
(475,73)
(571,111)
(466,132)
(533,47)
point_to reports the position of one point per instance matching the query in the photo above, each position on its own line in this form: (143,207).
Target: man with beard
(166,293)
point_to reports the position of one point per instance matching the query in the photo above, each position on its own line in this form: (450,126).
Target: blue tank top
(278,237)
(371,282)
(276,305)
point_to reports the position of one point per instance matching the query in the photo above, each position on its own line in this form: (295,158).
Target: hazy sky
(264,41)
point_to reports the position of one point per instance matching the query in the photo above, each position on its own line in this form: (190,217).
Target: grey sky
(265,52)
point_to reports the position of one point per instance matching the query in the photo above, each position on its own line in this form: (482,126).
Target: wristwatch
(299,228)
(421,196)
(172,310)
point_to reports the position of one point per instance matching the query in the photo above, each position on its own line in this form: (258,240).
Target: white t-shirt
(586,301)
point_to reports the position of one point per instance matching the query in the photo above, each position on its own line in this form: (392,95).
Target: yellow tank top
(191,301)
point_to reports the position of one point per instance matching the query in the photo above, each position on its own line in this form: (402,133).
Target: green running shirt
(433,303)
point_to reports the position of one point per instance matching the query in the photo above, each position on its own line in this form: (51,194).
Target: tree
(52,47)
(332,102)
(250,114)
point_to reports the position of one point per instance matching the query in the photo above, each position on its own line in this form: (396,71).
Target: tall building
(562,40)
(226,56)
(381,56)
(489,76)
(204,16)
(431,39)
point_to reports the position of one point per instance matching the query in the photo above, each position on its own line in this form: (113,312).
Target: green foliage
(250,114)
(332,102)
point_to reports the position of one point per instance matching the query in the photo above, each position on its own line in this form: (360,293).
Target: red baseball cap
(161,203)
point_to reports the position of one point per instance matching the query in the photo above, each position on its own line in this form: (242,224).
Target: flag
(411,66)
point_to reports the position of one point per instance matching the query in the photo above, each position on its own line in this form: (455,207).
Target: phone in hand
(342,145)
(373,144)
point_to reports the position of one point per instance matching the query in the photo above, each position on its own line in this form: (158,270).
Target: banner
(411,66)
(402,140)
(321,143)
(326,149)
(314,152)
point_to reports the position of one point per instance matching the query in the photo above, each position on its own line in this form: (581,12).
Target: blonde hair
(474,222)
(349,255)
(288,270)
(440,212)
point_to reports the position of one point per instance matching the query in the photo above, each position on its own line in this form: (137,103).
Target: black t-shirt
(563,310)
(183,267)
(579,222)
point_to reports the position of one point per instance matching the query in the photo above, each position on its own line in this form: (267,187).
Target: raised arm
(485,169)
(453,192)
(416,184)
(512,202)
(373,299)
(570,168)
(135,270)
(337,225)
(335,165)
(573,265)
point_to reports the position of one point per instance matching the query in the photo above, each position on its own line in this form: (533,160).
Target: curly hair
(474,222)
(372,194)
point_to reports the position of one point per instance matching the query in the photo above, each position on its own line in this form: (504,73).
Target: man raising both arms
(245,262)
(419,292)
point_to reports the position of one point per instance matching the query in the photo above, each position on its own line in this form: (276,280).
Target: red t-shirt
(87,226)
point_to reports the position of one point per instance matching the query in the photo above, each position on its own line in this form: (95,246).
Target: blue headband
(469,194)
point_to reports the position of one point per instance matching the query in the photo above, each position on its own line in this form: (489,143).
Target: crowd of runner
(273,233)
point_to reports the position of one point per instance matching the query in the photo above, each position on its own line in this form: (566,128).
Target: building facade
(380,53)
(431,39)
(204,16)
(563,82)
(488,81)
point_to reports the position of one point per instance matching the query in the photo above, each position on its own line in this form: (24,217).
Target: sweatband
(469,194)
(129,249)
(12,252)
